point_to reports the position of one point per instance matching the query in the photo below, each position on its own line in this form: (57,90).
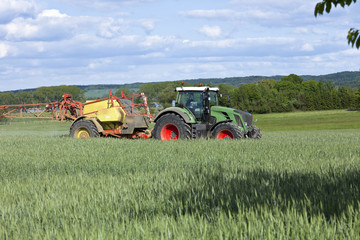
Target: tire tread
(238,134)
(184,128)
(84,124)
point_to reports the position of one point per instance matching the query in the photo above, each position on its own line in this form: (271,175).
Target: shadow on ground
(330,193)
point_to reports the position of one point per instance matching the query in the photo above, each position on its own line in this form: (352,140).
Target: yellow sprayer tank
(103,111)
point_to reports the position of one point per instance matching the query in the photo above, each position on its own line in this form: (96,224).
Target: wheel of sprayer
(83,129)
(171,127)
(226,131)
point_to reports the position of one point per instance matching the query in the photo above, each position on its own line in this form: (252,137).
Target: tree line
(291,93)
(41,95)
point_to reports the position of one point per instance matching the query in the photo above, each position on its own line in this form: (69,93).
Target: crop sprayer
(195,114)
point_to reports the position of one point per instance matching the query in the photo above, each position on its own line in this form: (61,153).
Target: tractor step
(198,131)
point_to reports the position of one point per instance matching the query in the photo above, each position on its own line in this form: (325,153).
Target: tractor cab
(197,100)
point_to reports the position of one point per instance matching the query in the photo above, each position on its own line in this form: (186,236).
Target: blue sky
(56,42)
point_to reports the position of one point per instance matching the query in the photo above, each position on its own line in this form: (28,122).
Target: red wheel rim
(225,134)
(169,132)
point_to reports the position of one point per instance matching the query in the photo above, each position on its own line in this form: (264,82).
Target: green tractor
(196,114)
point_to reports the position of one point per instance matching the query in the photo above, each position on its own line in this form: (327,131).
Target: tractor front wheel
(226,131)
(83,129)
(171,127)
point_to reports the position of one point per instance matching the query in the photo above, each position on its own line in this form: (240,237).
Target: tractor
(196,114)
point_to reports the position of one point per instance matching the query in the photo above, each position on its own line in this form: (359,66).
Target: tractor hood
(247,117)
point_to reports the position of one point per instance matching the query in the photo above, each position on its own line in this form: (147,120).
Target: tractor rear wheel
(226,131)
(171,127)
(84,129)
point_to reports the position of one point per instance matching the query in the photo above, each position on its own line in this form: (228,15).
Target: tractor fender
(96,123)
(175,110)
(212,127)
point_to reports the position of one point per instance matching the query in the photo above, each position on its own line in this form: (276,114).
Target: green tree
(126,91)
(290,87)
(293,78)
(270,83)
(166,96)
(267,103)
(309,97)
(7,98)
(357,97)
(240,99)
(149,89)
(47,94)
(25,97)
(326,5)
(226,92)
(347,97)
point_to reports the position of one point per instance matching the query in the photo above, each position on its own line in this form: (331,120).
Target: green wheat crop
(288,185)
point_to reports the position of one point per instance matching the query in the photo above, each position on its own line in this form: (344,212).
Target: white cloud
(63,44)
(110,28)
(147,24)
(218,13)
(211,31)
(200,68)
(273,13)
(153,55)
(319,31)
(3,50)
(301,30)
(51,13)
(243,16)
(307,47)
(98,63)
(10,9)
(156,42)
(49,25)
(276,5)
(105,5)
(53,25)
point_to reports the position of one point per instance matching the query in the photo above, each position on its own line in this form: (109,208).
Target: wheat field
(288,185)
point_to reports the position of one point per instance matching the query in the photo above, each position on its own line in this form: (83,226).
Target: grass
(288,185)
(316,120)
(33,127)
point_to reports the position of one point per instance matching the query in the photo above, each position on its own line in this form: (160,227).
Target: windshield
(194,101)
(188,99)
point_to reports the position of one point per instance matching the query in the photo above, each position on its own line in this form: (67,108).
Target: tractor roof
(181,89)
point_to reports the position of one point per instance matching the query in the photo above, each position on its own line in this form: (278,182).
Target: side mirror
(173,103)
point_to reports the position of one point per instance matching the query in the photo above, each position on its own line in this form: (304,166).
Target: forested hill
(346,79)
(255,94)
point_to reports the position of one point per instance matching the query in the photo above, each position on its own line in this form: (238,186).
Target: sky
(83,42)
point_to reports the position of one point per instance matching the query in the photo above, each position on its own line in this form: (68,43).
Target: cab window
(213,99)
